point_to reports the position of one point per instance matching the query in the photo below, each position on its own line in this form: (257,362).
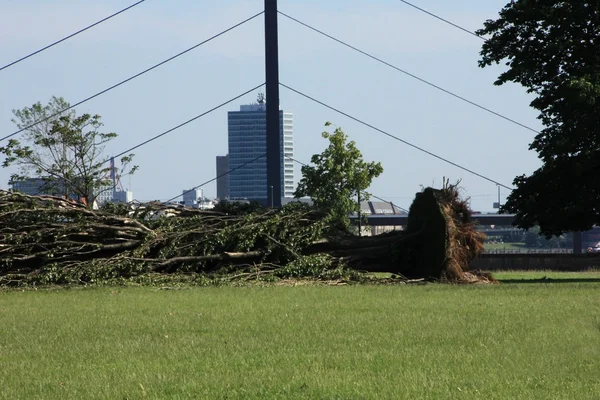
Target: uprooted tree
(61,151)
(47,239)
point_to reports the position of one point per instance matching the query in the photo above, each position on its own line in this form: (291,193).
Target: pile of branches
(60,241)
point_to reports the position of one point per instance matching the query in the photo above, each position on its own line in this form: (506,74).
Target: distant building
(122,196)
(191,197)
(105,195)
(110,194)
(194,198)
(247,137)
(41,186)
(380,208)
(223,177)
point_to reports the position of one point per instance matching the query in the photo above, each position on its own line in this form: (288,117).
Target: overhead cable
(411,74)
(132,77)
(395,137)
(444,20)
(220,176)
(188,121)
(70,36)
(370,194)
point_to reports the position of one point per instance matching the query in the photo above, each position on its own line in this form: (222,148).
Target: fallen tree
(440,241)
(46,239)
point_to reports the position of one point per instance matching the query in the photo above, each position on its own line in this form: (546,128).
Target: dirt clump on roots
(447,240)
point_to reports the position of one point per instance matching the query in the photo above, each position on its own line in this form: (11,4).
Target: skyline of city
(309,62)
(249,140)
(238,172)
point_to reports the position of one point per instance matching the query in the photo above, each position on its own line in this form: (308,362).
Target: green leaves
(336,176)
(63,149)
(551,48)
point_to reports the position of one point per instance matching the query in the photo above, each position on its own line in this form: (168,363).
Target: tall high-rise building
(222,177)
(247,132)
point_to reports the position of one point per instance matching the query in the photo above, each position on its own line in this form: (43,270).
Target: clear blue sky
(234,63)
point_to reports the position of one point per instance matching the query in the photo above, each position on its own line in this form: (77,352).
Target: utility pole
(359,215)
(497,205)
(498,198)
(272,83)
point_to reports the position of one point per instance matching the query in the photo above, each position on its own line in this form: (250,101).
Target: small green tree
(336,177)
(64,151)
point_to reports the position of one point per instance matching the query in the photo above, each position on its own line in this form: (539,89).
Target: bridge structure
(479,219)
(402,219)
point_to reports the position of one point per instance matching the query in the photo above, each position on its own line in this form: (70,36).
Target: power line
(134,76)
(220,176)
(370,194)
(410,74)
(386,201)
(71,35)
(181,125)
(444,20)
(395,137)
(250,162)
(187,122)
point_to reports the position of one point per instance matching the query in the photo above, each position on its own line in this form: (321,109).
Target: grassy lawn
(505,246)
(536,276)
(512,341)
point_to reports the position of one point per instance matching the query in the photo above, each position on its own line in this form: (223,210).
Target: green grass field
(591,276)
(508,341)
(505,246)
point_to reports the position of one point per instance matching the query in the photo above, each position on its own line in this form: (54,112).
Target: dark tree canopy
(552,48)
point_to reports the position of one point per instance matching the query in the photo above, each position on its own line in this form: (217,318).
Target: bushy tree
(239,208)
(62,149)
(551,47)
(533,240)
(336,177)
